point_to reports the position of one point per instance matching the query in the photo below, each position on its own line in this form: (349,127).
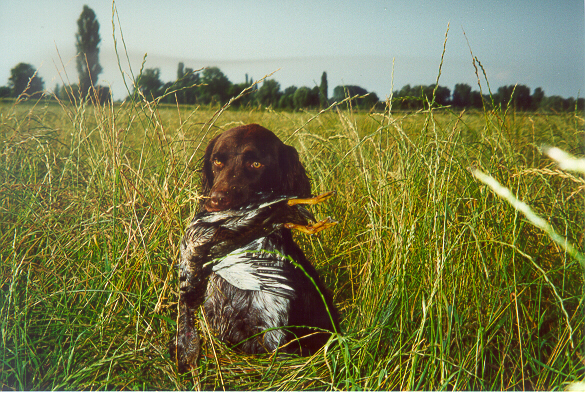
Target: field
(441,285)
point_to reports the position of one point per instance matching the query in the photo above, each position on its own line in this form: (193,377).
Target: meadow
(441,285)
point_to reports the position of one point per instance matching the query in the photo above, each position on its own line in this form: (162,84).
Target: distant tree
(522,99)
(186,87)
(69,92)
(461,96)
(236,89)
(369,101)
(343,91)
(23,76)
(420,96)
(503,95)
(517,96)
(302,97)
(569,104)
(340,92)
(442,95)
(4,92)
(405,91)
(166,91)
(426,93)
(287,99)
(407,98)
(324,91)
(180,70)
(190,86)
(315,97)
(149,84)
(217,85)
(269,93)
(537,97)
(100,94)
(557,103)
(476,100)
(88,39)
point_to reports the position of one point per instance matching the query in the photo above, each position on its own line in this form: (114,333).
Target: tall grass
(440,284)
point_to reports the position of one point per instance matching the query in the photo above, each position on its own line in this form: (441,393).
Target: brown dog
(246,161)
(240,166)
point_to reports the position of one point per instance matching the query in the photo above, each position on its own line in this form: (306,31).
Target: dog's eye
(217,162)
(256,165)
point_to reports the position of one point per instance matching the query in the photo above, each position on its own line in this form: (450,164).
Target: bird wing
(253,268)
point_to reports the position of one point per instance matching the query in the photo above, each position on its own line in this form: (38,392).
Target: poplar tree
(88,39)
(323,91)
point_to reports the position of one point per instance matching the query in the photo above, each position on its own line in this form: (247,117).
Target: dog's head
(246,161)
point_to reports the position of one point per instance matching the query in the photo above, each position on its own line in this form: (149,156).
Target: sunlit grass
(440,284)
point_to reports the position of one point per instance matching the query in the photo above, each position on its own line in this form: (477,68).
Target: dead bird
(258,290)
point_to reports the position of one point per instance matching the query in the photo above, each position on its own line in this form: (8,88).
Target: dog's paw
(185,350)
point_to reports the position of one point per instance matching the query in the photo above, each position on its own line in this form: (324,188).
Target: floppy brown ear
(206,171)
(293,177)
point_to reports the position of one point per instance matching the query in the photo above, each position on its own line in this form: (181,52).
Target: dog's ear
(293,177)
(206,171)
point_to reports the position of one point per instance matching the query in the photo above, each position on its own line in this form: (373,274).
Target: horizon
(379,45)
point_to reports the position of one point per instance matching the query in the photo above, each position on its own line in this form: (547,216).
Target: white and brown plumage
(241,265)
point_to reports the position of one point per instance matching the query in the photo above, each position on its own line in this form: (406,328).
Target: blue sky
(536,43)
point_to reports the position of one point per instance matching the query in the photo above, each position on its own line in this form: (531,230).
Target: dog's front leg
(187,343)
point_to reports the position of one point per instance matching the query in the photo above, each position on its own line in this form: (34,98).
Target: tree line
(518,97)
(211,86)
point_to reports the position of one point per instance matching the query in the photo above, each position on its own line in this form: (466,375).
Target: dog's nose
(218,200)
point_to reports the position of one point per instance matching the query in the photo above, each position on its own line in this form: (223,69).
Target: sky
(378,45)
